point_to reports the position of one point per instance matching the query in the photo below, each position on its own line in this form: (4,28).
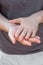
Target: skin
(28,25)
(28,42)
(8,26)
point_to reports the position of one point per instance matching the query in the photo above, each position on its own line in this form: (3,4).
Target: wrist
(9,26)
(39,16)
(36,18)
(5,25)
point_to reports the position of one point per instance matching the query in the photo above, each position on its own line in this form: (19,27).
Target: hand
(28,27)
(24,41)
(11,35)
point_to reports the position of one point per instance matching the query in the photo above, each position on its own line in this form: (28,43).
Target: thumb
(15,21)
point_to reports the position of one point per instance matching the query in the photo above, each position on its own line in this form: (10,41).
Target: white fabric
(30,59)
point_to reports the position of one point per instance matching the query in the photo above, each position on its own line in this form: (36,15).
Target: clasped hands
(25,32)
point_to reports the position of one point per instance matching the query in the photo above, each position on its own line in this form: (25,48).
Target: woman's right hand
(11,34)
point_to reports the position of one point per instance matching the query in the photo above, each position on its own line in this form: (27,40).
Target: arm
(38,16)
(41,14)
(4,23)
(7,27)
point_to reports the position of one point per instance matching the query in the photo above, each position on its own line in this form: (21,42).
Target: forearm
(41,14)
(4,23)
(38,16)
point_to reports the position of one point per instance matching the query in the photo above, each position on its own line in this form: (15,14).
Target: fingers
(18,31)
(29,42)
(34,33)
(37,37)
(36,40)
(12,38)
(28,34)
(15,21)
(22,35)
(24,42)
(11,34)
